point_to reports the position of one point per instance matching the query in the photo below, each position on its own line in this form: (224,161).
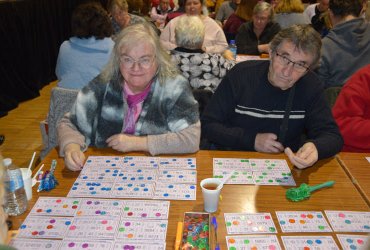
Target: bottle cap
(232,41)
(7,162)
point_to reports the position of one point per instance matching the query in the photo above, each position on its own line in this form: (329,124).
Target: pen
(214,223)
(178,235)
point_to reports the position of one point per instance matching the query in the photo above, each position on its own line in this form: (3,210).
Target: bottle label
(16,180)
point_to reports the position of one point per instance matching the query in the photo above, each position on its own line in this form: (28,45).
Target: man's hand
(267,143)
(127,143)
(74,158)
(306,156)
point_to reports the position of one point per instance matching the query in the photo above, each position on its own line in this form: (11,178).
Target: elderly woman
(214,38)
(253,37)
(204,70)
(138,103)
(120,16)
(84,55)
(290,12)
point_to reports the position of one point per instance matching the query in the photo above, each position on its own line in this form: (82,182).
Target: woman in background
(243,13)
(214,38)
(120,16)
(203,70)
(84,55)
(254,36)
(290,12)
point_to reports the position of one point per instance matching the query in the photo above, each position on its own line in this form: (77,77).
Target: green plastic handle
(322,185)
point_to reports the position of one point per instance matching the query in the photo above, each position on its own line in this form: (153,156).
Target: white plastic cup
(26,175)
(211,189)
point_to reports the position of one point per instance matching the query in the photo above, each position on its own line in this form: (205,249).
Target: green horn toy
(304,191)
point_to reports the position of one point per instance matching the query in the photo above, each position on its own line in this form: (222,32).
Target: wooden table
(358,168)
(237,198)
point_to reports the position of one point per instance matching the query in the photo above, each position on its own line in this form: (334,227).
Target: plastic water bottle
(233,48)
(15,201)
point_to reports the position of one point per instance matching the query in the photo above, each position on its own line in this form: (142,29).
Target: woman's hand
(74,158)
(127,143)
(305,157)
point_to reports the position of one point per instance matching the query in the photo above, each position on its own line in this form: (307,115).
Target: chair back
(61,102)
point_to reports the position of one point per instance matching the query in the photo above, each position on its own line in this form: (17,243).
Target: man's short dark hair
(343,8)
(91,19)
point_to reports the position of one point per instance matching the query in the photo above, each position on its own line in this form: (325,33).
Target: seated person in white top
(159,13)
(214,39)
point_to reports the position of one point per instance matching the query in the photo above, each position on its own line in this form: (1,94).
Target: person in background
(253,36)
(135,7)
(226,9)
(316,9)
(214,39)
(83,56)
(120,16)
(203,70)
(346,48)
(139,102)
(267,106)
(159,14)
(243,13)
(177,12)
(290,12)
(352,111)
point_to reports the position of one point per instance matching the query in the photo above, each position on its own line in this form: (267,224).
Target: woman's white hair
(130,37)
(189,32)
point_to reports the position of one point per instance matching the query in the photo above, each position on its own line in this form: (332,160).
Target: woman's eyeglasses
(144,62)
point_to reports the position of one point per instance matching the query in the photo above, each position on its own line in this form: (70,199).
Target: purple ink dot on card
(72,244)
(144,215)
(41,232)
(157,214)
(142,185)
(85,245)
(97,212)
(89,202)
(181,176)
(127,224)
(126,247)
(192,187)
(52,221)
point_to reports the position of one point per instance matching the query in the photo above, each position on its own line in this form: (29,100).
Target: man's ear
(270,52)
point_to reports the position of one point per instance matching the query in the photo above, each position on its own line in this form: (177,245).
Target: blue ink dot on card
(98,184)
(136,189)
(114,164)
(142,185)
(23,226)
(101,178)
(165,194)
(170,186)
(93,192)
(165,172)
(353,247)
(347,221)
(149,178)
(124,178)
(49,210)
(75,184)
(282,222)
(88,160)
(107,170)
(192,187)
(132,164)
(103,213)
(318,241)
(108,189)
(139,170)
(115,171)
(133,178)
(115,203)
(129,185)
(120,188)
(141,178)
(187,196)
(169,176)
(163,225)
(319,216)
(114,174)
(120,174)
(146,189)
(74,188)
(85,177)
(107,161)
(367,227)
(91,188)
(181,176)
(349,240)
(88,184)
(310,242)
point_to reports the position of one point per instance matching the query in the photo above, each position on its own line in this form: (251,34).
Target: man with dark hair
(346,48)
(267,106)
